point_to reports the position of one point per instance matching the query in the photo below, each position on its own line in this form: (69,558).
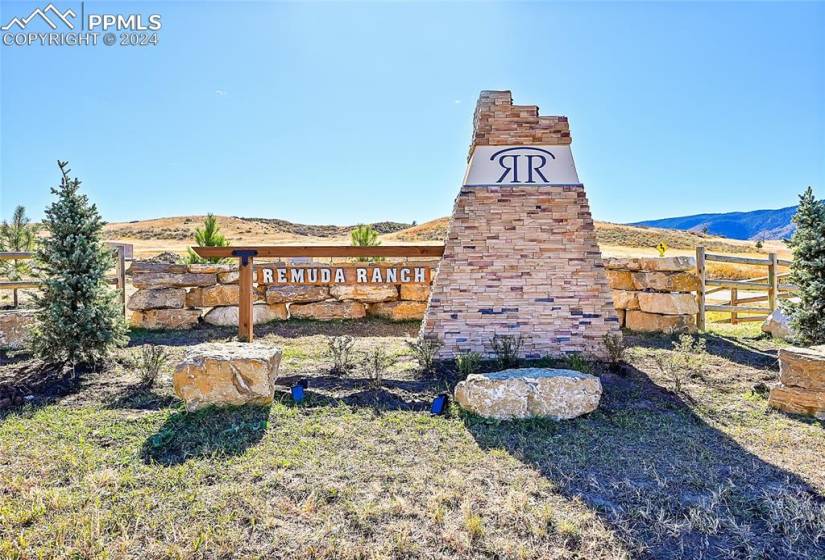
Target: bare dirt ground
(102,468)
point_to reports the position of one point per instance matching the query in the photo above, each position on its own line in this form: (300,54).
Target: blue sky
(342,113)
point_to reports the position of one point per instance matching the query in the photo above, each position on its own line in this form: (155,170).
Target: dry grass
(175,234)
(115,472)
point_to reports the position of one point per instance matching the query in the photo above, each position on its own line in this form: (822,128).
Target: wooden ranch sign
(319,275)
(344,274)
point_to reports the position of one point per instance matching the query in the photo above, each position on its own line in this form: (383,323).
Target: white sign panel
(521,165)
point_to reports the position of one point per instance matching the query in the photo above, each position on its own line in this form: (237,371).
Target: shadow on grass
(139,397)
(35,384)
(357,392)
(293,328)
(667,483)
(208,432)
(732,349)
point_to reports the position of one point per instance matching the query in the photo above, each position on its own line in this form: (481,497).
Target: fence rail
(736,305)
(119,280)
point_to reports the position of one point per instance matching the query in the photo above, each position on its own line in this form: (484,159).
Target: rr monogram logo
(516,163)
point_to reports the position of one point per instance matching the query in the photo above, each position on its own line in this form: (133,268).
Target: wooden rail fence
(771,284)
(119,280)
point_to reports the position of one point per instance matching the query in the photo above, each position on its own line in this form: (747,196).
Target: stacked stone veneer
(179,296)
(520,260)
(654,294)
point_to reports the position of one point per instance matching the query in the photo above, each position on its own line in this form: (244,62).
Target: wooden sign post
(344,274)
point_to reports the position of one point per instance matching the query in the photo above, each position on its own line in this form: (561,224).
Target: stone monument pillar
(520,256)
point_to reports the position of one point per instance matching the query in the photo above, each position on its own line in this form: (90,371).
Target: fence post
(700,294)
(121,277)
(734,299)
(773,282)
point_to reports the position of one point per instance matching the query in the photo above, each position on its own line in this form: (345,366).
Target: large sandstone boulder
(165,318)
(777,324)
(530,392)
(415,292)
(296,294)
(640,321)
(160,298)
(15,327)
(668,304)
(172,280)
(666,281)
(797,400)
(211,296)
(620,279)
(398,310)
(227,316)
(803,367)
(625,299)
(230,373)
(328,310)
(366,293)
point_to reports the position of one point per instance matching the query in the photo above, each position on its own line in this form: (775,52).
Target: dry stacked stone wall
(179,296)
(654,294)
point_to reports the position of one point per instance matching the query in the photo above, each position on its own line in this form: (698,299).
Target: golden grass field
(176,234)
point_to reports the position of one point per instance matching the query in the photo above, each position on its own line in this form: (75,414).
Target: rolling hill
(176,234)
(754,225)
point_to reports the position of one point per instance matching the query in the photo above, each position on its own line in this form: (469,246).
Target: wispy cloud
(220,92)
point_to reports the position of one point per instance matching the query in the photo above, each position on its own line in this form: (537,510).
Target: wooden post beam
(700,293)
(773,281)
(245,317)
(324,251)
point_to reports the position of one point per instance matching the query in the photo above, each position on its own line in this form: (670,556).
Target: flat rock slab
(640,321)
(802,367)
(159,298)
(658,264)
(797,400)
(229,373)
(398,310)
(530,392)
(228,316)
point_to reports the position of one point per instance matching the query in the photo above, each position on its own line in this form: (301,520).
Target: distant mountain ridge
(753,225)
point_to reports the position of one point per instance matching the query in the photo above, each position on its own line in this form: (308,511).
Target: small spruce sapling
(78,319)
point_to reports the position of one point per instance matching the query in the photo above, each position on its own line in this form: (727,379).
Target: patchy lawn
(103,469)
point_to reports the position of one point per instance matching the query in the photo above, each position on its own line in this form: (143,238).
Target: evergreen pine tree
(209,236)
(807,317)
(365,236)
(78,318)
(17,236)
